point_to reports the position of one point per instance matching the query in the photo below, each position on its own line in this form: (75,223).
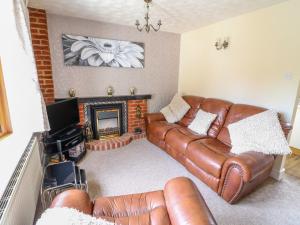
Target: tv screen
(63,115)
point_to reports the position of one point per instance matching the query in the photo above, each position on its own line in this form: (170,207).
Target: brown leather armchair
(180,203)
(209,157)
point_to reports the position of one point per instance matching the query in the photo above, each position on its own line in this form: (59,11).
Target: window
(5,126)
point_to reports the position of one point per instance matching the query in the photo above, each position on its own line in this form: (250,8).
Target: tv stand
(69,143)
(66,132)
(71,131)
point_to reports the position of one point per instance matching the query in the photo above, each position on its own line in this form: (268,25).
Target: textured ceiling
(177,15)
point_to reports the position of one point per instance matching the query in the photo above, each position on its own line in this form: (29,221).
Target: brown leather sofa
(179,204)
(209,157)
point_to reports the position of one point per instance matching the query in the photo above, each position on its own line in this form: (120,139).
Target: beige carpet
(141,167)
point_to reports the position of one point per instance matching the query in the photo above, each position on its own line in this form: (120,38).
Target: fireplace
(106,117)
(107,121)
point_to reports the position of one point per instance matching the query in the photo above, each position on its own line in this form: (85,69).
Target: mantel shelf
(110,98)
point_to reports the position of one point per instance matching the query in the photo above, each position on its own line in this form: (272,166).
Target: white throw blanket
(261,132)
(68,216)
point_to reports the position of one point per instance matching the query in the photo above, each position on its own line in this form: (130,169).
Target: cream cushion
(202,122)
(261,133)
(176,110)
(168,114)
(68,216)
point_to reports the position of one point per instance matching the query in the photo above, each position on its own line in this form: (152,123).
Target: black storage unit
(60,177)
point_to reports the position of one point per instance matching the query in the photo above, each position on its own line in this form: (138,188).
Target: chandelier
(147,27)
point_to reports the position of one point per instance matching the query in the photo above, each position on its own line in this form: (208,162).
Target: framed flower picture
(90,51)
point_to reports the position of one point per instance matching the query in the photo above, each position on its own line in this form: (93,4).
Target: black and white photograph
(97,52)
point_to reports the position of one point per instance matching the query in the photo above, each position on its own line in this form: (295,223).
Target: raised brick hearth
(117,142)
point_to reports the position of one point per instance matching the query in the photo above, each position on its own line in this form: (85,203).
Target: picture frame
(98,52)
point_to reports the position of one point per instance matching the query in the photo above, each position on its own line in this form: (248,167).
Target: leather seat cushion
(159,129)
(209,155)
(178,139)
(136,209)
(217,146)
(191,134)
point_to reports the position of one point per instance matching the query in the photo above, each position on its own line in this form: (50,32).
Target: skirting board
(278,169)
(278,175)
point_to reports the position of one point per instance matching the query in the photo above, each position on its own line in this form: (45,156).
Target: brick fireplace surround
(40,43)
(132,121)
(132,103)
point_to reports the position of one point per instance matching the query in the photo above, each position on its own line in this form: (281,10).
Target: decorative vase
(110,91)
(72,92)
(132,90)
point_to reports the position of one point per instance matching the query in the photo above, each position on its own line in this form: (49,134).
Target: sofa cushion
(176,110)
(159,129)
(218,107)
(208,159)
(144,208)
(217,146)
(195,103)
(168,114)
(202,122)
(191,134)
(237,112)
(177,141)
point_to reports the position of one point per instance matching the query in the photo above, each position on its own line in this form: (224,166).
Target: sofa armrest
(151,117)
(286,127)
(251,164)
(74,198)
(242,173)
(185,204)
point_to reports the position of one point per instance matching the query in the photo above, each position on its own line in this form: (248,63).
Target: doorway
(293,161)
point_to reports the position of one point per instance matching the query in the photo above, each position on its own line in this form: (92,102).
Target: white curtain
(23,28)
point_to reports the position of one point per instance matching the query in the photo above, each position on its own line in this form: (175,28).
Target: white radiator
(18,203)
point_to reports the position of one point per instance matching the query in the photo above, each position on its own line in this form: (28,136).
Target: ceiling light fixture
(147,27)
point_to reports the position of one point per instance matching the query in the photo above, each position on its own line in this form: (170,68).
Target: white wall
(22,92)
(261,66)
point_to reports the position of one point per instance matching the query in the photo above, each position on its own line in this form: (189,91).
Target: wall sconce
(222,44)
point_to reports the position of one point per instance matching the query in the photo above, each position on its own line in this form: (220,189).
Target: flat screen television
(63,115)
